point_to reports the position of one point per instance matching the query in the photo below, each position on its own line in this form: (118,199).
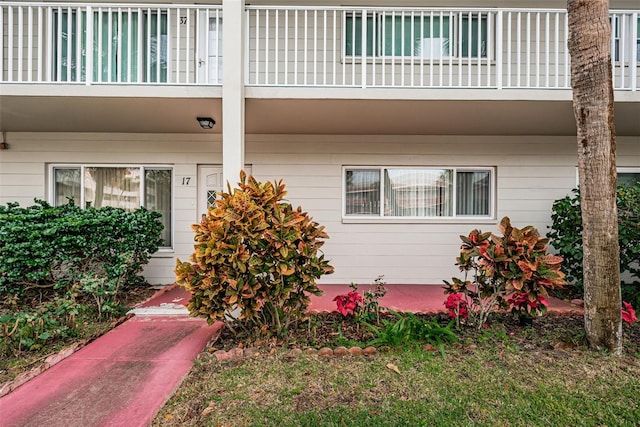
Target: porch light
(206,122)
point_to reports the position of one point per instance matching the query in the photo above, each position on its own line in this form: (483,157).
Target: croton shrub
(256,256)
(513,269)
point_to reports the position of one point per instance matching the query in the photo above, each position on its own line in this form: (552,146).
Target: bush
(256,254)
(509,270)
(566,238)
(97,252)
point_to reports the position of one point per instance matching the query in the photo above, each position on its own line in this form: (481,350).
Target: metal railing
(81,43)
(423,47)
(109,43)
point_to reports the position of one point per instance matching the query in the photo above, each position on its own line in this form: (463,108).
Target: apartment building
(398,125)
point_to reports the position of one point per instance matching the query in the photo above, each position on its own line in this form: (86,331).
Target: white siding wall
(532,171)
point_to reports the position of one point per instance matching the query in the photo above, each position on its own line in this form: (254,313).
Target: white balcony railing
(424,48)
(109,43)
(80,43)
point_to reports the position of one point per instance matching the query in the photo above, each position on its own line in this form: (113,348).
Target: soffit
(107,114)
(423,117)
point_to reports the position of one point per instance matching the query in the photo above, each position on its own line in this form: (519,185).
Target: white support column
(233,70)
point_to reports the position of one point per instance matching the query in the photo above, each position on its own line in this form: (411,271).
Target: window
(628,176)
(424,35)
(407,192)
(121,51)
(126,187)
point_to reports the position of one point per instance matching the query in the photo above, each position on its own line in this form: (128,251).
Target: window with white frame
(628,176)
(127,187)
(417,34)
(418,192)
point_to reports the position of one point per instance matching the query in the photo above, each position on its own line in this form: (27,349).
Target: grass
(492,382)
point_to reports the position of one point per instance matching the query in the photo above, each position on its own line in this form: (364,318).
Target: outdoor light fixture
(206,122)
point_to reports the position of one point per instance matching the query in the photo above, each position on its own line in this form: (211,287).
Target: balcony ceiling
(424,117)
(105,109)
(284,114)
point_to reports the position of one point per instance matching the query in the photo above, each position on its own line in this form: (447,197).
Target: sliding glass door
(128,46)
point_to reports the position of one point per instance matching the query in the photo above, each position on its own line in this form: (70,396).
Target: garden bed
(501,375)
(14,365)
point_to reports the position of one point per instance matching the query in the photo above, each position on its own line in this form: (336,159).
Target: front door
(210,64)
(209,183)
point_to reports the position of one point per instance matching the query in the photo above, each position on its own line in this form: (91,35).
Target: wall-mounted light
(4,146)
(206,122)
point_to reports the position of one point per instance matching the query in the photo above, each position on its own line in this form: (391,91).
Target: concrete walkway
(125,376)
(120,379)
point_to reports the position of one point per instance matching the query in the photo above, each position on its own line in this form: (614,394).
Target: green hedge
(60,266)
(49,247)
(566,238)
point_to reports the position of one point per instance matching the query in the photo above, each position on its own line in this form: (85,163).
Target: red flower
(457,306)
(347,304)
(522,301)
(628,313)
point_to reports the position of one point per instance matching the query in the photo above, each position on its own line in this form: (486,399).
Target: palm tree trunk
(590,50)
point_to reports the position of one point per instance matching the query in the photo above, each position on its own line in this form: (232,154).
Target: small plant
(497,267)
(30,329)
(371,305)
(364,309)
(349,303)
(257,255)
(408,329)
(628,313)
(458,307)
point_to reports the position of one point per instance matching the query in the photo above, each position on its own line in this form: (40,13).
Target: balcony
(301,46)
(424,48)
(75,43)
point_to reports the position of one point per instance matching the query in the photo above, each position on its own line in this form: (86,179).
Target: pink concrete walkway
(427,299)
(124,377)
(121,379)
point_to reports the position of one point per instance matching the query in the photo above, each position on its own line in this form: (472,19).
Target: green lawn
(496,384)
